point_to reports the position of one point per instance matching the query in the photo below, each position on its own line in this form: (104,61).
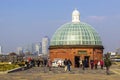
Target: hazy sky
(23,22)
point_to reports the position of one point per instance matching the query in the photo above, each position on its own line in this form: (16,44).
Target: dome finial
(75,16)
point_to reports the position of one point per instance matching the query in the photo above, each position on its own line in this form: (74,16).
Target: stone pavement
(41,73)
(116,69)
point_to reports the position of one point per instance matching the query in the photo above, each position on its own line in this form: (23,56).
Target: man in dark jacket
(65,63)
(69,64)
(85,63)
(107,63)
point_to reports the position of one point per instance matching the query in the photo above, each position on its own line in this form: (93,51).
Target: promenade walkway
(41,73)
(116,69)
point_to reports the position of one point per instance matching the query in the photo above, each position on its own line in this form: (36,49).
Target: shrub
(5,67)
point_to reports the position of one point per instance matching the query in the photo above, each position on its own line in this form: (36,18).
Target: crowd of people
(83,64)
(30,62)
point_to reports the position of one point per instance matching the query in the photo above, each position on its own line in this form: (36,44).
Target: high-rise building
(45,45)
(29,48)
(19,50)
(38,48)
(0,49)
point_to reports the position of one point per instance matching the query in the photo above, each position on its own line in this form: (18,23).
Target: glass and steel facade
(75,34)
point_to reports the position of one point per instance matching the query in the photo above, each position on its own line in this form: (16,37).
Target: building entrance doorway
(87,60)
(76,59)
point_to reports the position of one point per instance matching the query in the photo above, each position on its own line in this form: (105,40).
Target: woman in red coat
(101,63)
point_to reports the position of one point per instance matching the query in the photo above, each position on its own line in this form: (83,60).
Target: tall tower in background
(19,50)
(0,49)
(38,48)
(45,45)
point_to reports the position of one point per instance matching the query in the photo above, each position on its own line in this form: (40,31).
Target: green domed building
(76,41)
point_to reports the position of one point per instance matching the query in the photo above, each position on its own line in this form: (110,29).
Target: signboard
(82,52)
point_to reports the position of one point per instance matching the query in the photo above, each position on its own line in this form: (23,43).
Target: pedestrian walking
(65,63)
(69,64)
(107,63)
(101,63)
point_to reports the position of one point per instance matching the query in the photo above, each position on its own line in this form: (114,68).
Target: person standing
(69,64)
(101,63)
(107,63)
(65,63)
(49,64)
(84,64)
(80,62)
(92,64)
(38,63)
(27,64)
(96,63)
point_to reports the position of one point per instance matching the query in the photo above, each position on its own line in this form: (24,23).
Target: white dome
(75,12)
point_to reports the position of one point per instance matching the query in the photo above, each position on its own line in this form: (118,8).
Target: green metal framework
(75,34)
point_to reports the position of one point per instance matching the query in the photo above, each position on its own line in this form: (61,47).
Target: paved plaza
(41,73)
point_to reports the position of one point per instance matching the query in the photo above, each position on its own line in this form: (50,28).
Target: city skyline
(27,21)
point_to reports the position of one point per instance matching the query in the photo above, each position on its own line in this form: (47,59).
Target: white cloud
(95,18)
(102,19)
(99,18)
